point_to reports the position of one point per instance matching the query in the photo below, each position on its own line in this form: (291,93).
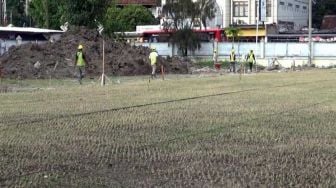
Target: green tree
(206,10)
(126,19)
(86,12)
(48,13)
(182,16)
(16,12)
(233,33)
(52,14)
(112,22)
(134,15)
(186,39)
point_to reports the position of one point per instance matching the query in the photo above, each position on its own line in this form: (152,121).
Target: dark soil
(56,59)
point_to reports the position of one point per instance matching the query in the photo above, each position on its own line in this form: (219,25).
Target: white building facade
(291,14)
(286,14)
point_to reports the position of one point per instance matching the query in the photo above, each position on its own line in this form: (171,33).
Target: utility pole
(27,13)
(1,12)
(5,12)
(26,7)
(257,25)
(310,33)
(11,17)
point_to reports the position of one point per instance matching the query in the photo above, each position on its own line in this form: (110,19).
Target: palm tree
(186,40)
(233,33)
(182,17)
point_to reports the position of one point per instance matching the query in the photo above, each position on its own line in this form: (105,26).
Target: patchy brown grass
(268,130)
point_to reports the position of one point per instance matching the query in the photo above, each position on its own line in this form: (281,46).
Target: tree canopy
(206,10)
(127,18)
(48,14)
(16,12)
(233,33)
(182,16)
(52,14)
(86,12)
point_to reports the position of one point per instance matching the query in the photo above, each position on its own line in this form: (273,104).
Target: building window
(240,9)
(297,6)
(282,3)
(290,5)
(304,8)
(268,8)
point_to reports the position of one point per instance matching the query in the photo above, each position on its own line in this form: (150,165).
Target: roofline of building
(251,26)
(301,35)
(29,30)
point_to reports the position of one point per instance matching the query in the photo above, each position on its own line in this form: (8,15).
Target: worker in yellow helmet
(251,59)
(80,63)
(232,61)
(153,56)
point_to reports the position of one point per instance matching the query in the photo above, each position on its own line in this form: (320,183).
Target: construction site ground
(57,59)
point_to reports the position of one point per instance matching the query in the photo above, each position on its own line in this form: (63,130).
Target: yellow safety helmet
(153,48)
(80,47)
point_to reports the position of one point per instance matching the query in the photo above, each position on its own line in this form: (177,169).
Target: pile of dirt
(57,59)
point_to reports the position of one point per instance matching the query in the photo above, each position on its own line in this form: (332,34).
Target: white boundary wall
(324,54)
(264,49)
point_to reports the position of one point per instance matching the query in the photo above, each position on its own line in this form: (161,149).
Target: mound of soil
(57,59)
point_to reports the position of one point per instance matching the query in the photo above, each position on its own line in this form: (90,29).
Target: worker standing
(153,60)
(251,59)
(232,61)
(215,57)
(80,63)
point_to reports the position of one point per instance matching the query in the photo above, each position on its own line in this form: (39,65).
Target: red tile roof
(329,22)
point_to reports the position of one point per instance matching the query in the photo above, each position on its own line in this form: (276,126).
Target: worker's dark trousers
(232,67)
(251,66)
(153,71)
(80,73)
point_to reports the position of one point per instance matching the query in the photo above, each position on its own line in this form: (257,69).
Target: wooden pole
(162,72)
(103,57)
(310,25)
(103,75)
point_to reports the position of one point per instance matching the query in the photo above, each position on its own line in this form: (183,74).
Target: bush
(210,63)
(205,63)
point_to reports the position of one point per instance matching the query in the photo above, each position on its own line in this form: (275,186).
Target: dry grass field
(266,130)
